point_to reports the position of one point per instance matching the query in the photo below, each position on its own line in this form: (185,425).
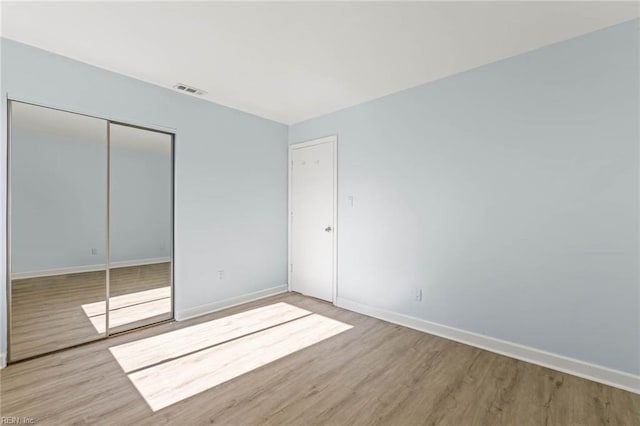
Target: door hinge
(291,269)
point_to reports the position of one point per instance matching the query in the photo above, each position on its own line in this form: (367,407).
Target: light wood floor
(372,373)
(47,312)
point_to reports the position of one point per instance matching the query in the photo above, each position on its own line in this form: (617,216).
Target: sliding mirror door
(57,229)
(140,228)
(90,215)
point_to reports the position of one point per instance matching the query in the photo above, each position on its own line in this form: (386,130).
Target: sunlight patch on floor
(152,350)
(173,366)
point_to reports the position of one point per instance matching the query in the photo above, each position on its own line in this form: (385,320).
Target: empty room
(320,213)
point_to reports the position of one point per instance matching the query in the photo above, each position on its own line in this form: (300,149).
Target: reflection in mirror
(58,219)
(140,229)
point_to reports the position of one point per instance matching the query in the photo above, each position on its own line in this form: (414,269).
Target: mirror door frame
(8,287)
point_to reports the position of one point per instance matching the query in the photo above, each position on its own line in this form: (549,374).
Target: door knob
(328,228)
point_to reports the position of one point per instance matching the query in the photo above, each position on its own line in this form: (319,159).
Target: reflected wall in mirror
(58,229)
(140,230)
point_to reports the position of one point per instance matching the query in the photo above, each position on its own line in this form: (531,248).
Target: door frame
(332,140)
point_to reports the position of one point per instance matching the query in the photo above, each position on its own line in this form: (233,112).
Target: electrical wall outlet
(221,274)
(418,295)
(94,251)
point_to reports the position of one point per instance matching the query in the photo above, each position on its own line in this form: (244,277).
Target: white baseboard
(208,308)
(3,360)
(597,373)
(87,268)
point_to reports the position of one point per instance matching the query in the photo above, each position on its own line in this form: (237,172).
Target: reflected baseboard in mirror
(55,312)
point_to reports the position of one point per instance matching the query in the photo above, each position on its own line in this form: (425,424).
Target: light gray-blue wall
(230,171)
(508,193)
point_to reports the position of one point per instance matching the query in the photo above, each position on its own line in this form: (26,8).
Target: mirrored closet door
(58,229)
(90,229)
(140,227)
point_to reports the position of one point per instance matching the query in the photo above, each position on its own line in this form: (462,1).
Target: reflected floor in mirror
(53,312)
(140,295)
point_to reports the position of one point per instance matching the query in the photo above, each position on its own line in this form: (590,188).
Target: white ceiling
(294,61)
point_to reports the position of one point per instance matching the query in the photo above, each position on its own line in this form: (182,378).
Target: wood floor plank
(375,373)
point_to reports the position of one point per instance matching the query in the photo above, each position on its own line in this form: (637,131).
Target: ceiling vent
(189,89)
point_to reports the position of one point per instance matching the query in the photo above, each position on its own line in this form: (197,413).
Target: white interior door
(312,216)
